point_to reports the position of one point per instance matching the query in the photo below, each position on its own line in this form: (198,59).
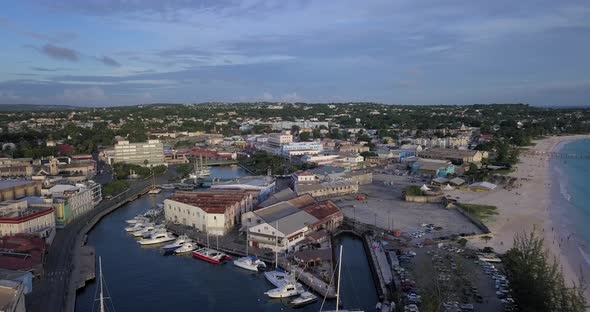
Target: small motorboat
(304,299)
(157,238)
(290,289)
(186,248)
(182,239)
(251,263)
(155,191)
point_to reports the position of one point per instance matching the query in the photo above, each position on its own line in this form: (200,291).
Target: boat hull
(205,258)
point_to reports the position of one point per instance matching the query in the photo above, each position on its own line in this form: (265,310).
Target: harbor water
(144,279)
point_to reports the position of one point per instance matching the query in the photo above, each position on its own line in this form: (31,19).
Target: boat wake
(585,255)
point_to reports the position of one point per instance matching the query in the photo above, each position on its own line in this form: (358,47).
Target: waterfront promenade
(55,292)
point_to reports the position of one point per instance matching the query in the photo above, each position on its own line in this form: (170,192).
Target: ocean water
(571,198)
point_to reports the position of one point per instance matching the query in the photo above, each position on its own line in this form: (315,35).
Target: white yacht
(278,277)
(156,230)
(289,289)
(251,263)
(145,229)
(181,240)
(157,239)
(134,228)
(305,298)
(137,219)
(186,248)
(167,186)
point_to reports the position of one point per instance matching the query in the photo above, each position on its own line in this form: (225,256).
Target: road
(50,293)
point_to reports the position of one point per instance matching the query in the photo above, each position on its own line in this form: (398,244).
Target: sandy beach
(529,206)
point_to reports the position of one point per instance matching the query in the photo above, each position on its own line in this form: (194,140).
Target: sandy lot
(385,208)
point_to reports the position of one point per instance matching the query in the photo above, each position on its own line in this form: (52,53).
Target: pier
(229,246)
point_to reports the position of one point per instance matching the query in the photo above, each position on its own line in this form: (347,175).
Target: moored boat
(186,248)
(211,255)
(278,277)
(289,289)
(181,240)
(251,263)
(157,238)
(304,299)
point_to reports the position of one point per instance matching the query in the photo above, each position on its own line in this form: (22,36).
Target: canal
(143,279)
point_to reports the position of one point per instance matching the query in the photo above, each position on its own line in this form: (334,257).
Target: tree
(537,282)
(304,136)
(295,129)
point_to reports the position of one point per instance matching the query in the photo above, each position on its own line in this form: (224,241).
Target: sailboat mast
(247,230)
(277,245)
(339,271)
(101,288)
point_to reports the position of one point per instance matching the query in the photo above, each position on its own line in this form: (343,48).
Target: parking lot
(382,205)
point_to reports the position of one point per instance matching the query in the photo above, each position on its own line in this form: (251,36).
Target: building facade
(212,212)
(301,148)
(15,189)
(72,201)
(150,153)
(17,216)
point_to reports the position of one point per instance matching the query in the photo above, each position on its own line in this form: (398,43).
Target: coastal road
(49,295)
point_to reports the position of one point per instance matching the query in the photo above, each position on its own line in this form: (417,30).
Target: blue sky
(107,52)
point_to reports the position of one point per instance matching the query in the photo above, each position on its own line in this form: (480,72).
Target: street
(50,293)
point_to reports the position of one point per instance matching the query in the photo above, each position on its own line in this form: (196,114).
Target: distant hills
(36,108)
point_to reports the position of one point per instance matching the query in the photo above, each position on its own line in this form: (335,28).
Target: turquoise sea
(571,203)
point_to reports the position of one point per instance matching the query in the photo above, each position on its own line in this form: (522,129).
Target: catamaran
(211,255)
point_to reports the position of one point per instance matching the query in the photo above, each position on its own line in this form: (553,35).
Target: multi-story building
(17,216)
(261,186)
(212,212)
(353,148)
(284,225)
(72,201)
(301,148)
(279,139)
(301,124)
(455,155)
(150,153)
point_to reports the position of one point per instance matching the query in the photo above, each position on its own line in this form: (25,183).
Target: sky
(124,52)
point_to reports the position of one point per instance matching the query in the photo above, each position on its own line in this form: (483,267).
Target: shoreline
(532,206)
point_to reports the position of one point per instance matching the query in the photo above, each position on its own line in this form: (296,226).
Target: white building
(150,153)
(73,201)
(17,216)
(301,148)
(319,159)
(301,124)
(212,212)
(279,139)
(264,186)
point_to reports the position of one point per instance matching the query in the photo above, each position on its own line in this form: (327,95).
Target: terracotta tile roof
(211,201)
(322,210)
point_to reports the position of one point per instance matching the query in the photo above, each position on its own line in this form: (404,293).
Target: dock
(231,247)
(86,264)
(380,265)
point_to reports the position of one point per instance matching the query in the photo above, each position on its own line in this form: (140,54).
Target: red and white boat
(211,255)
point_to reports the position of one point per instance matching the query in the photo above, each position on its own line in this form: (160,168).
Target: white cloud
(82,96)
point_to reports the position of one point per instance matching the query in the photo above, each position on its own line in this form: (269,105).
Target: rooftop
(9,291)
(210,201)
(13,183)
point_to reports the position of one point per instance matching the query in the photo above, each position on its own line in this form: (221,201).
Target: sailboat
(338,288)
(251,263)
(199,170)
(101,297)
(278,277)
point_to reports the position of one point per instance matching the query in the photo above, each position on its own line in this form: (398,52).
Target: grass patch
(481,212)
(414,190)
